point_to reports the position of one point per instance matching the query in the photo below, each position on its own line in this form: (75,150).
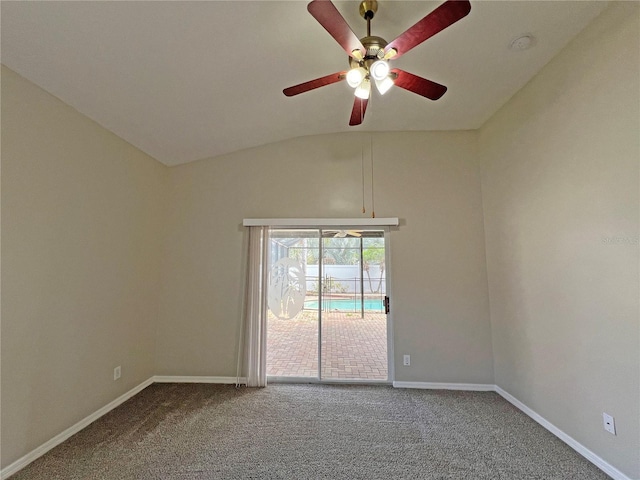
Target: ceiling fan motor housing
(374,47)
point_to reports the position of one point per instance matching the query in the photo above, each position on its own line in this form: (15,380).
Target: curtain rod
(320,222)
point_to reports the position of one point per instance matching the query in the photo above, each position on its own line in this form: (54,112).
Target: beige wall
(429,180)
(80,243)
(111,259)
(560,188)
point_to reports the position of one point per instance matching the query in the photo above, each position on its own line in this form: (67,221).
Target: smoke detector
(522,42)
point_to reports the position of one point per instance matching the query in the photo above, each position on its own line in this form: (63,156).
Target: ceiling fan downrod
(368,9)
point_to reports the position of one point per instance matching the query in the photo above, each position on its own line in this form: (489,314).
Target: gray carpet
(197,431)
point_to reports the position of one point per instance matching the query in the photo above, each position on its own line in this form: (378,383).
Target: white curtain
(252,353)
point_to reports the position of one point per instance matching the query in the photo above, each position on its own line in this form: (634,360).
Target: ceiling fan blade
(419,85)
(312,84)
(342,233)
(357,113)
(329,17)
(345,233)
(442,17)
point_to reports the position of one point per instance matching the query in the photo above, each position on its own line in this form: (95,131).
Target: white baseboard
(196,379)
(577,446)
(61,437)
(473,387)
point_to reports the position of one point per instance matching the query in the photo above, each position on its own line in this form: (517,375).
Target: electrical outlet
(117,372)
(406,361)
(609,423)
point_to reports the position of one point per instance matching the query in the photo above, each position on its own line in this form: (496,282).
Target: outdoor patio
(352,347)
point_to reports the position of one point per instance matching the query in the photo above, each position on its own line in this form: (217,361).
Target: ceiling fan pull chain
(373,209)
(362,173)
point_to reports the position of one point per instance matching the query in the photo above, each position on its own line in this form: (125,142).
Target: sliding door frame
(385,228)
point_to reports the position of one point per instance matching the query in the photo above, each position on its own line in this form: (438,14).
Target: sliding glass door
(292,327)
(354,323)
(326,297)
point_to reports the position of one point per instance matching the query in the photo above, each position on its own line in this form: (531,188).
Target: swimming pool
(346,304)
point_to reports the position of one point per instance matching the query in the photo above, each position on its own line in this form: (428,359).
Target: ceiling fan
(369,56)
(343,233)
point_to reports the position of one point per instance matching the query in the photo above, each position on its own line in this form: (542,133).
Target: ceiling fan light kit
(379,69)
(369,56)
(384,85)
(364,89)
(355,76)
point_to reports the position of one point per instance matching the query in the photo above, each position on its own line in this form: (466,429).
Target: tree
(373,254)
(341,251)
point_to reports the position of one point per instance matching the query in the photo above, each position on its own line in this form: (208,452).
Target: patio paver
(353,347)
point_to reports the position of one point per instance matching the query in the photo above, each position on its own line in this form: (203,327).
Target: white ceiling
(184,81)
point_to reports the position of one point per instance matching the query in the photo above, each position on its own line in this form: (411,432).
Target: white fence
(346,278)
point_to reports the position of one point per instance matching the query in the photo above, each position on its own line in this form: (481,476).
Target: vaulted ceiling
(184,80)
